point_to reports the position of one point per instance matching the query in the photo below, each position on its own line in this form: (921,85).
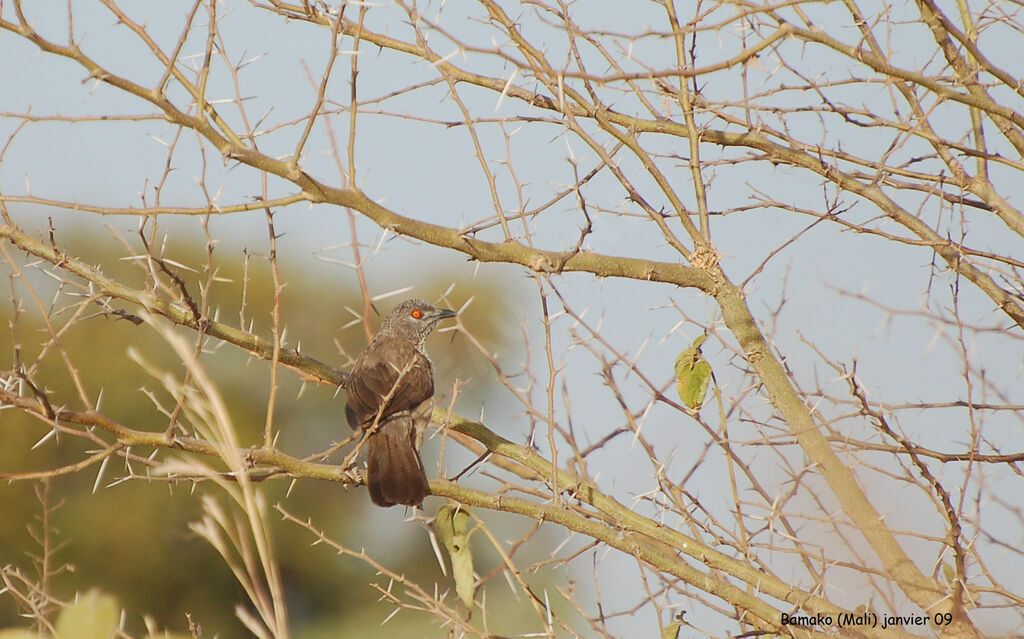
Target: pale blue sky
(430,172)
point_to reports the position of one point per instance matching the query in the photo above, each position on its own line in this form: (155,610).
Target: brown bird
(391,397)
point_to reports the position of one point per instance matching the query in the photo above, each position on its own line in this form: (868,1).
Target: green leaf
(692,375)
(671,631)
(93,615)
(452,528)
(948,572)
(19,633)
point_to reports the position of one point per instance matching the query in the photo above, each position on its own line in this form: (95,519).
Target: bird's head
(413,320)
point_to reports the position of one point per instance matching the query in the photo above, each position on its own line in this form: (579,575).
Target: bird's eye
(416,313)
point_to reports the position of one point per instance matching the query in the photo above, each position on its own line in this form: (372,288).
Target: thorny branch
(921,184)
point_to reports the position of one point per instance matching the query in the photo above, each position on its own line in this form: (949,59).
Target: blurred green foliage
(131,539)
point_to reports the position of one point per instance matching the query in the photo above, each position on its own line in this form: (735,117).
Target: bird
(391,397)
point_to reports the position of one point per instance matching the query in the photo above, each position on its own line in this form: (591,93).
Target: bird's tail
(394,473)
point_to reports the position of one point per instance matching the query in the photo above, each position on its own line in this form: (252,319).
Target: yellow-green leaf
(19,633)
(692,375)
(93,615)
(948,572)
(671,631)
(452,528)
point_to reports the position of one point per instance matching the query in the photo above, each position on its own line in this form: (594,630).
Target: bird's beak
(443,313)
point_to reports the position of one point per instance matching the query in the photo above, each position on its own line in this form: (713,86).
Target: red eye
(417,313)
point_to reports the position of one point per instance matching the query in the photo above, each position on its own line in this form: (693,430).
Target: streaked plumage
(394,378)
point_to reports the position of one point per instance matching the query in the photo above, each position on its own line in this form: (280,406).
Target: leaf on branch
(692,375)
(948,572)
(19,633)
(93,615)
(671,631)
(452,527)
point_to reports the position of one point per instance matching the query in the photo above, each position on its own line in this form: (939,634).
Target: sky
(853,297)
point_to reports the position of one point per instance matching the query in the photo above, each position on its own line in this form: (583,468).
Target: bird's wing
(387,366)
